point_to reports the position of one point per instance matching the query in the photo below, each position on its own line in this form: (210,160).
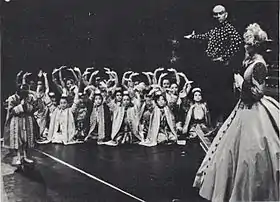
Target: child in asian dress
(20,127)
(62,124)
(162,128)
(125,123)
(100,119)
(197,123)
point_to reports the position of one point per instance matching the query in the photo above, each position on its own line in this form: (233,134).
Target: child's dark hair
(158,95)
(64,97)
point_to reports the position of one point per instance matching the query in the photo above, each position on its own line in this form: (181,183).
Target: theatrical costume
(162,127)
(42,116)
(242,163)
(197,123)
(20,128)
(80,117)
(62,125)
(100,123)
(223,41)
(145,117)
(125,125)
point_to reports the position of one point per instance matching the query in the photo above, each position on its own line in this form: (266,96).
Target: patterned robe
(100,123)
(223,41)
(41,114)
(162,126)
(62,125)
(124,121)
(20,127)
(197,123)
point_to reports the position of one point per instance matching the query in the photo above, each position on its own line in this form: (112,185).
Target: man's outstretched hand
(190,35)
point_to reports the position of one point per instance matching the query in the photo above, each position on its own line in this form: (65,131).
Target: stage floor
(87,172)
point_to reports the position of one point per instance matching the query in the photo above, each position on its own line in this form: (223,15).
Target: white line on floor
(89,175)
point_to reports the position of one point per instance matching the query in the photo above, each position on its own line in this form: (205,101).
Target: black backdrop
(122,34)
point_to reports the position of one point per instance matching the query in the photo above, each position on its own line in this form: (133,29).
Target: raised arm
(148,74)
(176,75)
(116,82)
(54,80)
(124,79)
(77,80)
(40,74)
(18,83)
(85,75)
(76,100)
(133,75)
(76,69)
(46,83)
(60,76)
(92,76)
(24,77)
(160,78)
(116,78)
(91,88)
(187,86)
(108,72)
(155,81)
(111,77)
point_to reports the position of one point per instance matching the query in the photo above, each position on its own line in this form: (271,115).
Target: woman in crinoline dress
(242,164)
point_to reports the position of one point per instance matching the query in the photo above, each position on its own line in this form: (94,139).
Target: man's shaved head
(219,9)
(219,13)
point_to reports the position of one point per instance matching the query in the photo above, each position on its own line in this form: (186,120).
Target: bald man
(223,44)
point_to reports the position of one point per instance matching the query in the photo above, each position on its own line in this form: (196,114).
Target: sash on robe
(118,117)
(197,129)
(67,134)
(189,117)
(155,124)
(97,117)
(20,126)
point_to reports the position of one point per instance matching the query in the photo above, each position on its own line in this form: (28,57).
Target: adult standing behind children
(223,45)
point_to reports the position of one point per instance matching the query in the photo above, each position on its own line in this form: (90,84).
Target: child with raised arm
(162,128)
(62,127)
(42,111)
(125,123)
(100,119)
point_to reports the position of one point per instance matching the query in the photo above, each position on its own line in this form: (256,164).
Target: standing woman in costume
(242,163)
(20,127)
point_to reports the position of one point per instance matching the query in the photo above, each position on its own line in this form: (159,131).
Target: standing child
(20,127)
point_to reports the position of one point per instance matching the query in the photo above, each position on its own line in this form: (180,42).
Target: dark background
(121,34)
